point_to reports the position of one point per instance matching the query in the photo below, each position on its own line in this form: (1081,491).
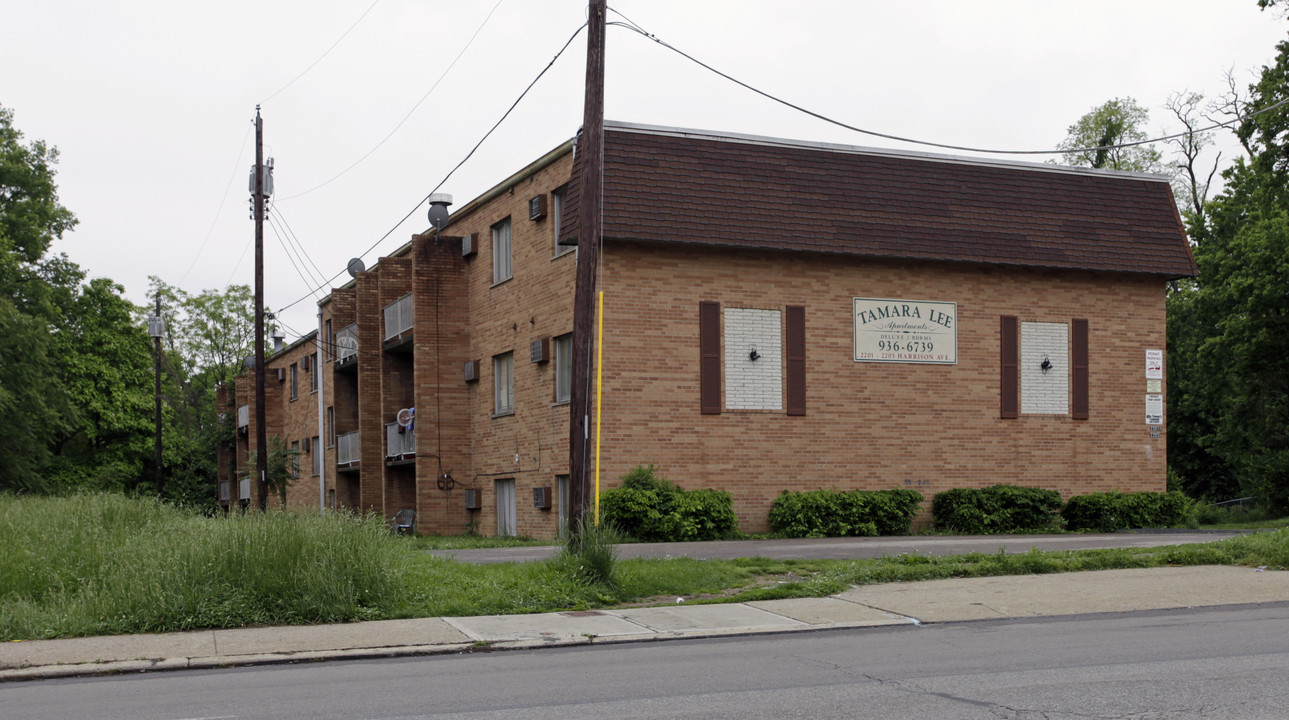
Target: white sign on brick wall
(906,331)
(1154,409)
(1154,364)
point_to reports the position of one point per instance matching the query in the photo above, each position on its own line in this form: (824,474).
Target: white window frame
(564,368)
(503,384)
(502,256)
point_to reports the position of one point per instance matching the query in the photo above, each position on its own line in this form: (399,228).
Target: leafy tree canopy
(1116,122)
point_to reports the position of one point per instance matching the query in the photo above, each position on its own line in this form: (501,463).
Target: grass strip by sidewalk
(106,564)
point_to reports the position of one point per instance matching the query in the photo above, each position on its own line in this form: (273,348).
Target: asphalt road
(857,547)
(1227,662)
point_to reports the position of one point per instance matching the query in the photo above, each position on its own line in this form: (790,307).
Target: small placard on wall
(1154,364)
(1154,409)
(1154,432)
(1154,386)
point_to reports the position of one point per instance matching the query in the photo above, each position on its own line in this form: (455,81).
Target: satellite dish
(356,266)
(406,416)
(439,203)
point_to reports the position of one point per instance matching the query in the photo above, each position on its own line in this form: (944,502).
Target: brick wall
(870,425)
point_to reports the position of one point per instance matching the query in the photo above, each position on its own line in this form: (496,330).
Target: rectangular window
(501,269)
(295,381)
(317,456)
(326,342)
(506,507)
(294,463)
(503,379)
(331,427)
(313,373)
(563,368)
(557,215)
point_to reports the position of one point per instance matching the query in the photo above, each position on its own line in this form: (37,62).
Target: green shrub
(996,509)
(650,508)
(833,513)
(1110,511)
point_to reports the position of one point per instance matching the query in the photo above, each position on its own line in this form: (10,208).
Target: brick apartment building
(777,315)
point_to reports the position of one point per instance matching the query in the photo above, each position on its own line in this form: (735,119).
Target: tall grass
(102,564)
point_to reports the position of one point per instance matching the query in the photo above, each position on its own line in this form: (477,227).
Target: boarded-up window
(795,331)
(1079,362)
(709,371)
(1009,361)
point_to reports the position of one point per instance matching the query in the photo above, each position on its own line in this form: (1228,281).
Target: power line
(409,112)
(640,31)
(307,282)
(228,186)
(458,165)
(299,246)
(323,55)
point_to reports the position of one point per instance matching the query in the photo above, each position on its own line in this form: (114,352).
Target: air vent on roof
(537,207)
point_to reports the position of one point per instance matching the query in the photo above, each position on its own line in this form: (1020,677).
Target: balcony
(400,444)
(244,419)
(347,451)
(398,323)
(244,489)
(223,492)
(347,347)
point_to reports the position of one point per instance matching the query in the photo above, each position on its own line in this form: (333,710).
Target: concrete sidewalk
(934,601)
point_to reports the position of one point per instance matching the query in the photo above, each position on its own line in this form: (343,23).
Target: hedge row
(997,509)
(1110,511)
(832,513)
(650,508)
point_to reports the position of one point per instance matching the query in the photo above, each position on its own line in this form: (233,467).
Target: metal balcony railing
(243,416)
(400,442)
(346,343)
(223,491)
(244,489)
(398,317)
(347,448)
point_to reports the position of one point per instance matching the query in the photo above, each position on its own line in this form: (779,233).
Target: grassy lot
(105,564)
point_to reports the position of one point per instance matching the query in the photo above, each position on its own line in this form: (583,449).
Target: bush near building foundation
(996,509)
(1110,511)
(833,513)
(649,508)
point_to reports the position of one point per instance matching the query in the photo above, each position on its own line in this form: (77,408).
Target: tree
(1091,141)
(31,218)
(283,467)
(1229,330)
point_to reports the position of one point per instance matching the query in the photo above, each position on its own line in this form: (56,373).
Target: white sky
(151,102)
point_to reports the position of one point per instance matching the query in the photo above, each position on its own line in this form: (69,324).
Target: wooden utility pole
(591,151)
(261,433)
(157,350)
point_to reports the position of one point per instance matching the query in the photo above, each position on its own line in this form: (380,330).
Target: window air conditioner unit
(539,351)
(472,371)
(305,444)
(468,245)
(542,497)
(304,363)
(473,499)
(281,374)
(537,207)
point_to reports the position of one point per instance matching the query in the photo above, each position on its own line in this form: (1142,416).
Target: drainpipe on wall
(322,438)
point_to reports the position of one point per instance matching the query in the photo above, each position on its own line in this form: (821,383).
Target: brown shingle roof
(693,187)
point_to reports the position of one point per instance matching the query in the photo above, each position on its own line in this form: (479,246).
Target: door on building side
(506,508)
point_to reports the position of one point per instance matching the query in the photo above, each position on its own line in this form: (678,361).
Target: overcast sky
(151,102)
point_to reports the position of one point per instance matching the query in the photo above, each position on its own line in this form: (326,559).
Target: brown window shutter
(1079,341)
(709,369)
(795,320)
(1009,363)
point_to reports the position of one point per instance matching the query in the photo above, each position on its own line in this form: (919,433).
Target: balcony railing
(244,489)
(400,442)
(347,448)
(346,344)
(223,491)
(398,317)
(243,416)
